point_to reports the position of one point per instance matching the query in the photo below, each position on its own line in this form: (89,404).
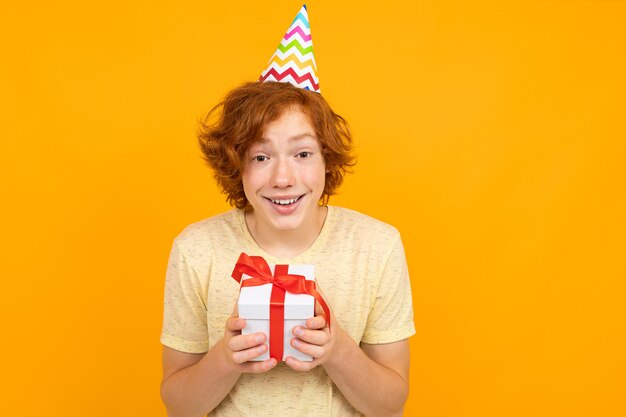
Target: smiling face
(284,177)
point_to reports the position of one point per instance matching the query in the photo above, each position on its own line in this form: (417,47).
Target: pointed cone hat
(293,62)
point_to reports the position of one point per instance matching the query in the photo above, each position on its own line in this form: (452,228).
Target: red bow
(257,268)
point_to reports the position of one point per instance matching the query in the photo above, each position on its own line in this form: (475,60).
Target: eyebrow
(303,136)
(296,137)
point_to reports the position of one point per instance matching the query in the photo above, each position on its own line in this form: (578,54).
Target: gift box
(275,299)
(254,306)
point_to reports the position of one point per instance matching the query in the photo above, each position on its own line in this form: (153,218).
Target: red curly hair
(228,130)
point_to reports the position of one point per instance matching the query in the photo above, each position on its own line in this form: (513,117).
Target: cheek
(317,178)
(248,185)
(252,180)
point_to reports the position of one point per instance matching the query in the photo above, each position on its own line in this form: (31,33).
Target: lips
(285,205)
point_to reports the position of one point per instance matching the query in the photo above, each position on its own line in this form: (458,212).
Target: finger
(317,322)
(315,351)
(246,355)
(318,308)
(257,367)
(315,337)
(235,323)
(297,365)
(246,341)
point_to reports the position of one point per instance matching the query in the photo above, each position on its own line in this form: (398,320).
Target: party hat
(293,62)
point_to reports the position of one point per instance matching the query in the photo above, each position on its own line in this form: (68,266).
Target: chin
(285,225)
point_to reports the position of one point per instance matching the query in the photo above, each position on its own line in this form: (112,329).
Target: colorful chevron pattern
(293,62)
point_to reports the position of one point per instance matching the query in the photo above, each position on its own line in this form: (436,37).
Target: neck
(285,243)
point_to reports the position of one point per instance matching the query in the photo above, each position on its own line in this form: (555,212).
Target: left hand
(315,340)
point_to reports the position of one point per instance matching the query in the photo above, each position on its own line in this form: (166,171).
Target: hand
(239,349)
(316,340)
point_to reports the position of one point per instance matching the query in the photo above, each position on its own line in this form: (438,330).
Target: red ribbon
(257,268)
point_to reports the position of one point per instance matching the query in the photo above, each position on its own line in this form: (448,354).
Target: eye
(260,158)
(304,154)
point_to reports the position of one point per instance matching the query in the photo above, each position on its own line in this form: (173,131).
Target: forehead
(292,118)
(291,126)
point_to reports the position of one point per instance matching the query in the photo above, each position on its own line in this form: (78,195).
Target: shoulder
(205,234)
(362,226)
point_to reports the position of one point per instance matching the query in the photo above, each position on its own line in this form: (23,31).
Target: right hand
(240,349)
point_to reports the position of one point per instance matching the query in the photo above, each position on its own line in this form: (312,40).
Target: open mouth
(285,202)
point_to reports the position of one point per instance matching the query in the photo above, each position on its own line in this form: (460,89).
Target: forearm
(197,389)
(370,387)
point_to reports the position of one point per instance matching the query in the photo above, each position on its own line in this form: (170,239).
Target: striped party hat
(293,62)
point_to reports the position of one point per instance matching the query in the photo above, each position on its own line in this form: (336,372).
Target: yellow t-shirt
(360,268)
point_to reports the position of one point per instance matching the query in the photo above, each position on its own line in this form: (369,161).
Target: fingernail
(296,342)
(299,331)
(260,349)
(258,338)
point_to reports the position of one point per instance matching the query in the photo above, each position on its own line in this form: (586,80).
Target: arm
(373,378)
(385,367)
(194,384)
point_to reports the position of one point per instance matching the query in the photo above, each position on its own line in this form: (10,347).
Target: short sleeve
(184,308)
(391,318)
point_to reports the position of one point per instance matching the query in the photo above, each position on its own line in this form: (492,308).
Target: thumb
(234,322)
(319,311)
(318,307)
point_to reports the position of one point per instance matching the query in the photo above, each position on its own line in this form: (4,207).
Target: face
(284,175)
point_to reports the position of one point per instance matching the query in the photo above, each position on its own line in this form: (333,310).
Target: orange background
(491,133)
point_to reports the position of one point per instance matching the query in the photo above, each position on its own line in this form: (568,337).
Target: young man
(279,152)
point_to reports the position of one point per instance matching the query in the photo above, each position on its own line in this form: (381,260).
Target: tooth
(285,202)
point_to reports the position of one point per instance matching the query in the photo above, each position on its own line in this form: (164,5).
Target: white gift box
(254,307)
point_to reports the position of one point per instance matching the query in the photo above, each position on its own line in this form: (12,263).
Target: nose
(282,174)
